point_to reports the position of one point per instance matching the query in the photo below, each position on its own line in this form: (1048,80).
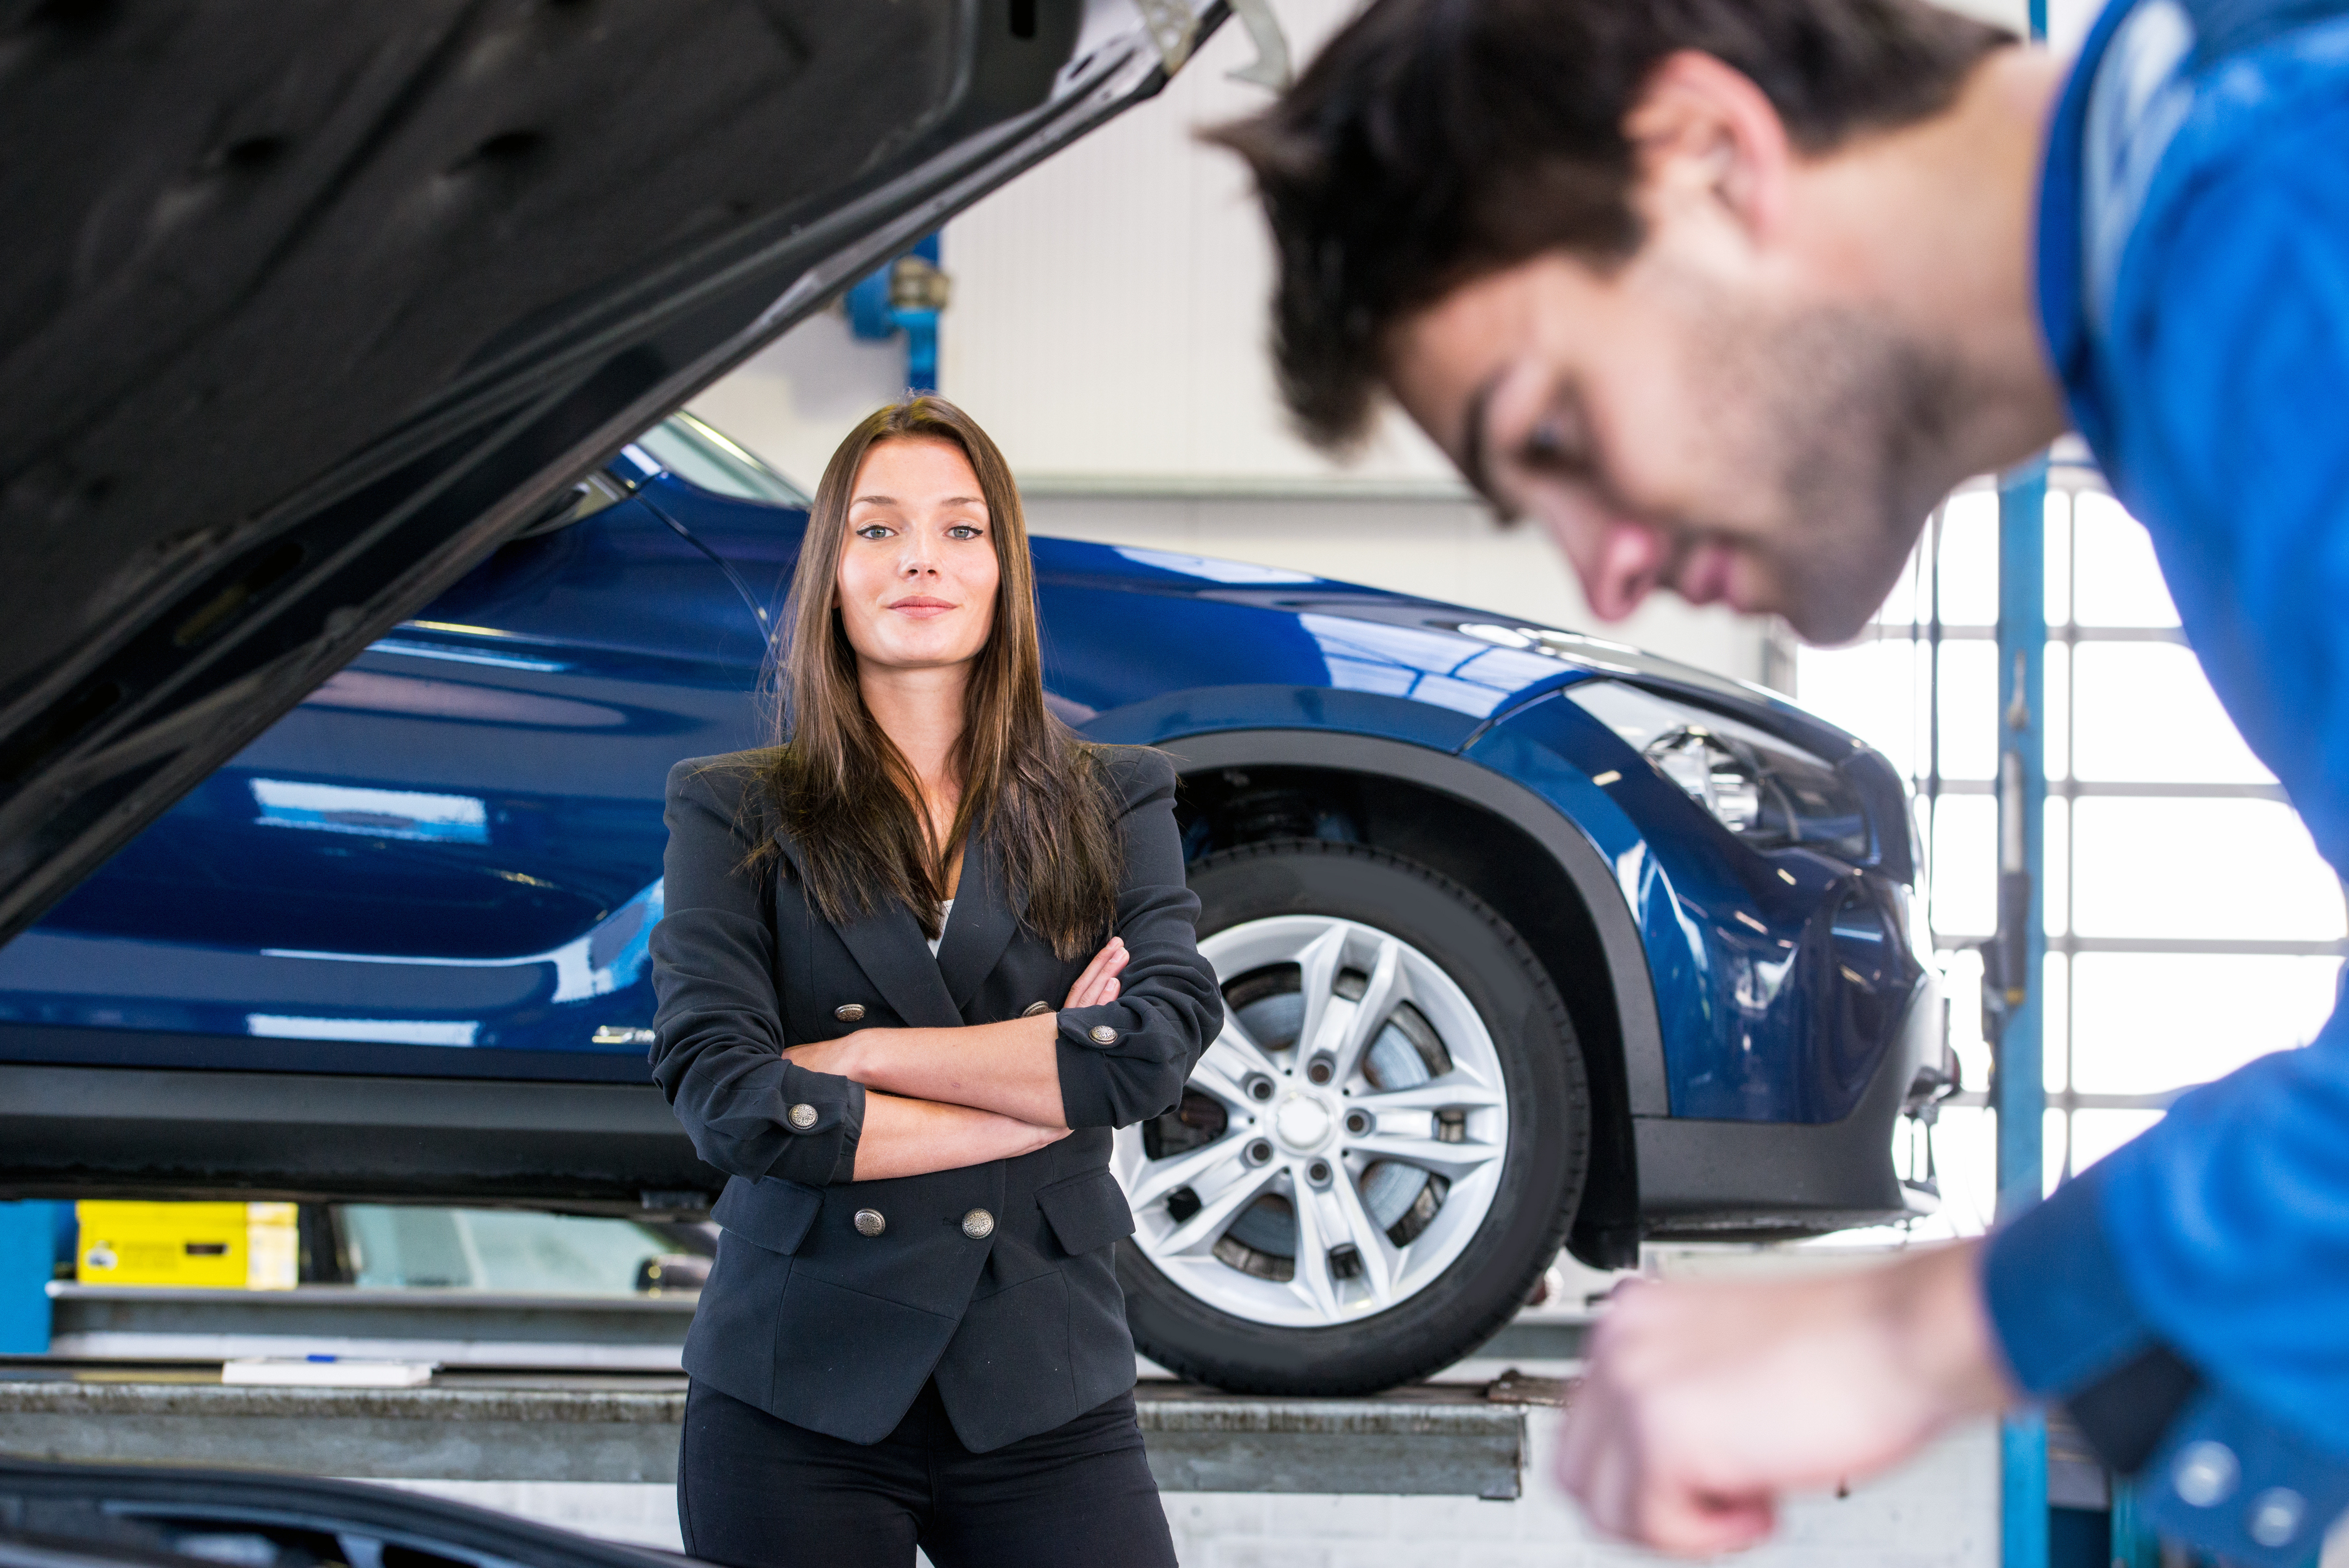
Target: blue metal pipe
(881,307)
(2018,1077)
(2014,965)
(28,1243)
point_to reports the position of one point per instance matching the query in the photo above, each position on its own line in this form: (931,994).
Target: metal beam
(1462,1440)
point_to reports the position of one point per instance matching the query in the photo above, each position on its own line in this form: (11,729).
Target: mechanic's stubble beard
(1843,422)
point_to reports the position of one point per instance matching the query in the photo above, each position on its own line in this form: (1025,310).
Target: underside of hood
(307,307)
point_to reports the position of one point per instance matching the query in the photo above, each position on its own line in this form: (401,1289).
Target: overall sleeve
(1127,1061)
(719,1033)
(2188,1296)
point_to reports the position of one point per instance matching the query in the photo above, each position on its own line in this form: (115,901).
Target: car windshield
(707,460)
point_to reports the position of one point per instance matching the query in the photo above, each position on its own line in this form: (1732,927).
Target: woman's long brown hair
(847,797)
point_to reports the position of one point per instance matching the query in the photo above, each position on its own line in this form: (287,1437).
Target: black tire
(1543,1170)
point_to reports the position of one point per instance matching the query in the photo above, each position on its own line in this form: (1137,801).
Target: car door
(447,859)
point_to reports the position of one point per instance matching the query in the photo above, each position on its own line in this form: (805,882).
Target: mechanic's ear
(1704,137)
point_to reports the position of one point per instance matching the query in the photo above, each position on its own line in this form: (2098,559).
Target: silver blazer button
(1037,1009)
(849,1011)
(802,1117)
(870,1222)
(978,1224)
(1102,1034)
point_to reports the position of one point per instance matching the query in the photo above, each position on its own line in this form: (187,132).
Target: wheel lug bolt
(1260,1087)
(1321,1069)
(1259,1152)
(1358,1122)
(1317,1173)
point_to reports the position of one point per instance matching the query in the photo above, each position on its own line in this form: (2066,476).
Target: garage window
(2192,925)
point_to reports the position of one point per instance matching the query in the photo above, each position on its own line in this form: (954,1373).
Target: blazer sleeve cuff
(1121,1062)
(1085,1099)
(824,1152)
(852,1130)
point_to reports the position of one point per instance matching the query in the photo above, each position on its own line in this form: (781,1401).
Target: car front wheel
(1379,1154)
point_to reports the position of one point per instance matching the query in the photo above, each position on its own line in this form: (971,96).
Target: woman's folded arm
(1126,1060)
(716,1053)
(1093,1064)
(913,1137)
(1011,1068)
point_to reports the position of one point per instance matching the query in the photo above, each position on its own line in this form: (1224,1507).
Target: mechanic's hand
(1702,1401)
(1098,984)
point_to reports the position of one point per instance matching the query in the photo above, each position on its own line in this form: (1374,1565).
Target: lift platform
(612,1426)
(482,1328)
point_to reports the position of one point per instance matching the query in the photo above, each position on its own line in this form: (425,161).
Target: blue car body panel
(446,862)
(1778,977)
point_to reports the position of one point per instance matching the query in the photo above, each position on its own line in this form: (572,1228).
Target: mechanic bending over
(1729,293)
(913,1334)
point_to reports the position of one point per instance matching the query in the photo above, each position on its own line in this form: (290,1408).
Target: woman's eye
(873,531)
(963,531)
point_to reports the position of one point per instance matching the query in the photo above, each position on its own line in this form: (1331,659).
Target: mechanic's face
(918,571)
(1681,424)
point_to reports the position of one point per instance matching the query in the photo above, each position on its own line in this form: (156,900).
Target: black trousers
(756,1492)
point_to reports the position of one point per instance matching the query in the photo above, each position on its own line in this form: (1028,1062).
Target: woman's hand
(1098,984)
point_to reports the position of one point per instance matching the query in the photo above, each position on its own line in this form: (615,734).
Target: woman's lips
(921,609)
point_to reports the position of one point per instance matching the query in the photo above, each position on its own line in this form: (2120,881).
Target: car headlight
(1766,790)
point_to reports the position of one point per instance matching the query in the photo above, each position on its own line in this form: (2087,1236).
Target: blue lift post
(28,1254)
(2018,1080)
(906,297)
(2014,966)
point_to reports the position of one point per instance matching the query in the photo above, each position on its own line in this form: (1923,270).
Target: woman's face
(918,571)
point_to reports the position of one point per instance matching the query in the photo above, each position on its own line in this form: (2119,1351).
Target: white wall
(1111,303)
(1108,328)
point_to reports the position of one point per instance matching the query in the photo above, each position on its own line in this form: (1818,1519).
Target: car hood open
(305,308)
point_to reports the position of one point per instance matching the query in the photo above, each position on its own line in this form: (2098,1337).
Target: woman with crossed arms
(919,956)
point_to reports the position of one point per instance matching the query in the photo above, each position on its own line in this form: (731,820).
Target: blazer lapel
(980,926)
(896,957)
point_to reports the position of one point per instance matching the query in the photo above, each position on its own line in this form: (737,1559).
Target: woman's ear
(1704,137)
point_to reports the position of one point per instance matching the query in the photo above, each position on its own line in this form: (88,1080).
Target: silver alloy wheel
(1365,1129)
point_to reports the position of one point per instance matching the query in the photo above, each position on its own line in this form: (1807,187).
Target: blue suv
(361,593)
(1526,938)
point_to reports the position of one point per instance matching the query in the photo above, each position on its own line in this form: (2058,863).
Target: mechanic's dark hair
(847,797)
(1435,141)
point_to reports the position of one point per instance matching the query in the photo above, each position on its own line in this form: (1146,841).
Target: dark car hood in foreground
(306,307)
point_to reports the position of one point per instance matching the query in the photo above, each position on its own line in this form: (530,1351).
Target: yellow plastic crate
(221,1246)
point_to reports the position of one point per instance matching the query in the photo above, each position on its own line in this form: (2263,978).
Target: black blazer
(996,1279)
